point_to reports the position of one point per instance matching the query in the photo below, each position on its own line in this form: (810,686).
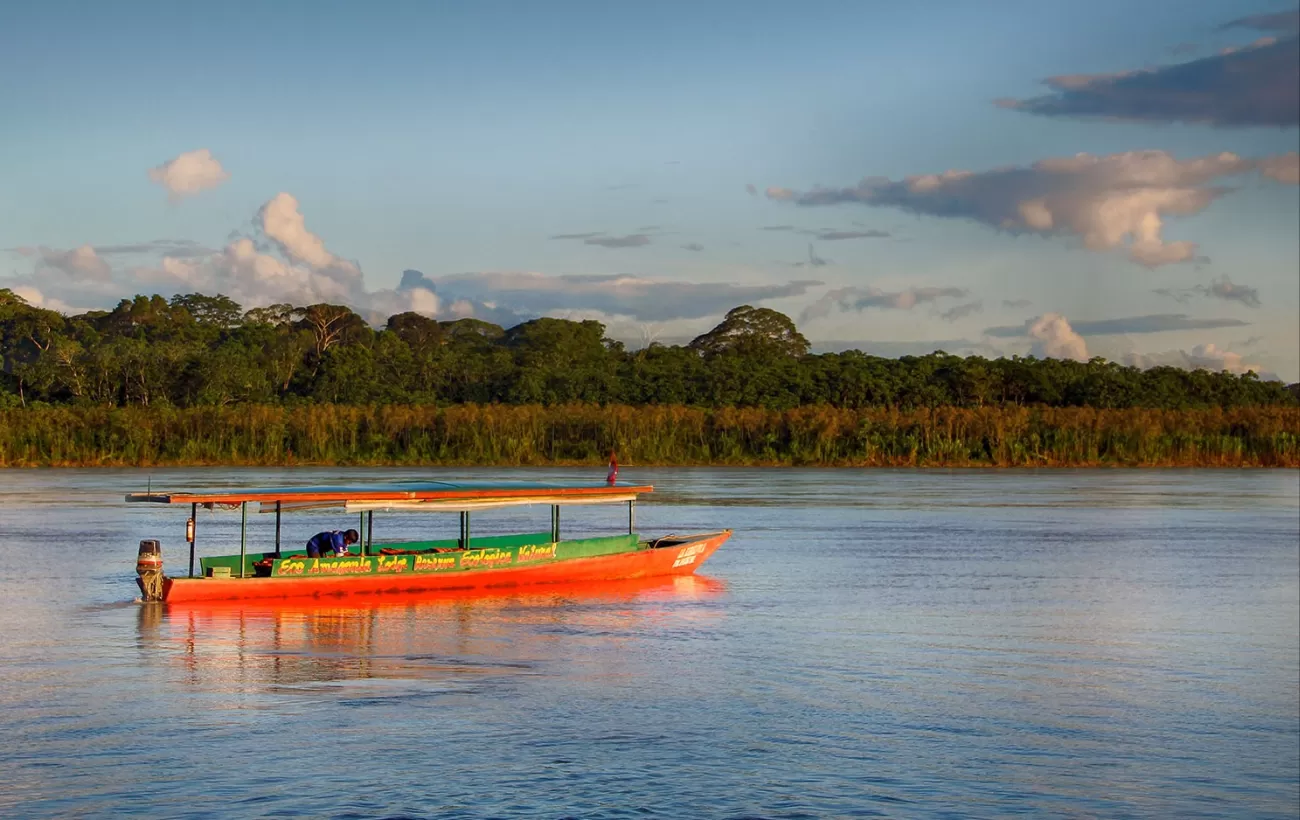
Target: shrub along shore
(582,434)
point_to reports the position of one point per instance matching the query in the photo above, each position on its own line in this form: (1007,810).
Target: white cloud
(286,262)
(35,298)
(1055,339)
(1284,168)
(304,272)
(1202,357)
(189,174)
(419,299)
(79,263)
(1110,202)
(284,224)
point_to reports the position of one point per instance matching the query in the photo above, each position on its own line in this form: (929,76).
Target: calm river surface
(870,643)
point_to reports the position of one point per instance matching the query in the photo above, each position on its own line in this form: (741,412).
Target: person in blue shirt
(331,543)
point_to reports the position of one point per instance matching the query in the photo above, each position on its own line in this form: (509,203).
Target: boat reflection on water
(444,638)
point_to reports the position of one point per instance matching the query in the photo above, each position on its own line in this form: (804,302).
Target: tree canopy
(753,331)
(196,350)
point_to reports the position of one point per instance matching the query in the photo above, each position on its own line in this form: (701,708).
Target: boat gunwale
(342,495)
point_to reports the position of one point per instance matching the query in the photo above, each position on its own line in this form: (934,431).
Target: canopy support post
(467,529)
(631,516)
(462,530)
(243,535)
(193,530)
(370,533)
(277,529)
(361,533)
(555,523)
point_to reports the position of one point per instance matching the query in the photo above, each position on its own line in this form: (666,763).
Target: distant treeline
(495,435)
(198,351)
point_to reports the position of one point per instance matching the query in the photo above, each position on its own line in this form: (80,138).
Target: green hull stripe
(499,541)
(487,553)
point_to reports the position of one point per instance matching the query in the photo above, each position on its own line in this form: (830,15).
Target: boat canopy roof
(446,496)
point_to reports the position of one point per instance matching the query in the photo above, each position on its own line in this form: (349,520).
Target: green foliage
(656,434)
(199,351)
(753,333)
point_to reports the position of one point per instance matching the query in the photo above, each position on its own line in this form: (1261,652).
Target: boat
(371,567)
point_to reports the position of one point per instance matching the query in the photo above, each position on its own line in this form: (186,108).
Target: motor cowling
(149,568)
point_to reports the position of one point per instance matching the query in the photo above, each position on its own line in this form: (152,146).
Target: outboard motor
(149,566)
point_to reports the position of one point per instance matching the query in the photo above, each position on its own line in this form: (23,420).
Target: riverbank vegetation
(501,435)
(198,380)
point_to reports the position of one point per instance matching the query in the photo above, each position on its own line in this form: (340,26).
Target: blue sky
(457,139)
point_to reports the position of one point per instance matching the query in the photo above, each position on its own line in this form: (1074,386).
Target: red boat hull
(679,559)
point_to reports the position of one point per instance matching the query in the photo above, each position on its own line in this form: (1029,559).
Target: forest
(206,351)
(198,380)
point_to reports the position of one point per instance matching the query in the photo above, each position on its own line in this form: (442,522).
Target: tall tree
(329,324)
(752,331)
(219,311)
(420,332)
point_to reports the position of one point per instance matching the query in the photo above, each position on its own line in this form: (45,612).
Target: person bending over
(331,543)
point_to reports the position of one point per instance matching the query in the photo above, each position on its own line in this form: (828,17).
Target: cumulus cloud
(284,224)
(1153,323)
(248,271)
(78,263)
(1106,202)
(414,279)
(1055,339)
(1202,357)
(35,298)
(961,311)
(285,262)
(189,173)
(415,293)
(1254,85)
(859,299)
(1284,168)
(1224,289)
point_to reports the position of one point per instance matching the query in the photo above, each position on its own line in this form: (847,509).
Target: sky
(1114,179)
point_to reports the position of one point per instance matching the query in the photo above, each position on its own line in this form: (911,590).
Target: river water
(1091,643)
